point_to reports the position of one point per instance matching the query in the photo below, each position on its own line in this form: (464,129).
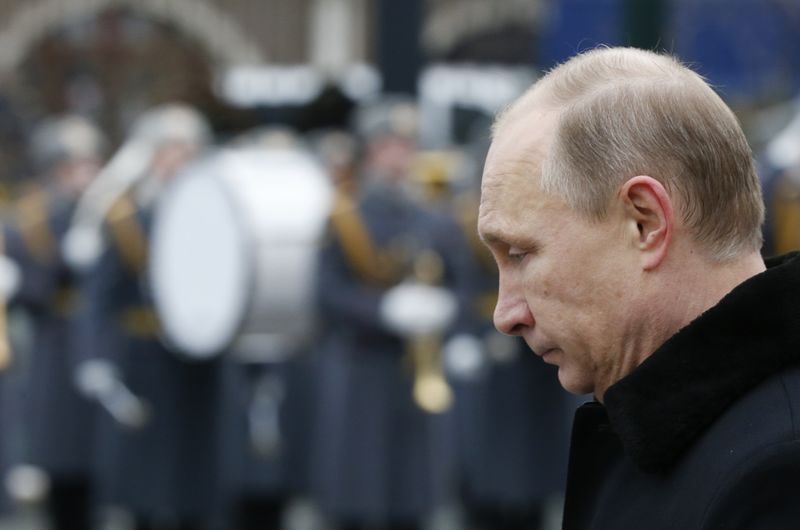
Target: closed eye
(516,254)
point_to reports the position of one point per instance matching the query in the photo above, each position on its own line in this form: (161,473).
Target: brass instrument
(431,391)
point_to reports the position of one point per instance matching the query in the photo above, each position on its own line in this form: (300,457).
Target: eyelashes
(516,255)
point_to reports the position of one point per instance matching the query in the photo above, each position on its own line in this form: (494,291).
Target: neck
(708,282)
(685,289)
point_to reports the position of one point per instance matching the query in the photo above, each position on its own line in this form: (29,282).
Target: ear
(648,210)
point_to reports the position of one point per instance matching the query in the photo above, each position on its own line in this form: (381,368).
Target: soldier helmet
(172,123)
(390,116)
(64,138)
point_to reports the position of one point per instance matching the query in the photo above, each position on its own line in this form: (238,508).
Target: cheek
(545,283)
(569,302)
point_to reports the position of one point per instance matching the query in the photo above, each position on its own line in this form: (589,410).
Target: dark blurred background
(330,79)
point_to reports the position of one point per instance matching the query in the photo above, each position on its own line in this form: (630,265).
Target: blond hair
(625,112)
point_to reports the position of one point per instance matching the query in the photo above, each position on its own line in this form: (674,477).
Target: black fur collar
(669,400)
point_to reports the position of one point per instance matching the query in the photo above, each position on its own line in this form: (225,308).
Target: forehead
(510,188)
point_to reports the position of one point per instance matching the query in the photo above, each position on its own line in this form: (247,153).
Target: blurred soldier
(66,154)
(9,379)
(784,214)
(157,444)
(338,152)
(381,457)
(781,174)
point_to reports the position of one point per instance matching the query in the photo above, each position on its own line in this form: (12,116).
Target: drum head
(200,264)
(234,247)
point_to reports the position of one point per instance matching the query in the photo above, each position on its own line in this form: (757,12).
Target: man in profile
(621,203)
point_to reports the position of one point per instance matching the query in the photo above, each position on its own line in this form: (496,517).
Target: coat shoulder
(749,459)
(765,417)
(751,450)
(761,493)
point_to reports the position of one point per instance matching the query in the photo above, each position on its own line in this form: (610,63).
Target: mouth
(538,347)
(541,348)
(548,353)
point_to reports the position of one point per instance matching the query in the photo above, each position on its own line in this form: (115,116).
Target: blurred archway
(113,63)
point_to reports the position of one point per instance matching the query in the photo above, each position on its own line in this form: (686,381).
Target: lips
(543,349)
(546,352)
(540,348)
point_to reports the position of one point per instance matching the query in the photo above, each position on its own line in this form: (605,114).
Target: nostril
(516,329)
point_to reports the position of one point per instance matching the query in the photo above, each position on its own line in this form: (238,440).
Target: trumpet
(431,391)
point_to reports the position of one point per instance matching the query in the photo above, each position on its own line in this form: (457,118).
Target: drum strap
(128,234)
(360,253)
(34,226)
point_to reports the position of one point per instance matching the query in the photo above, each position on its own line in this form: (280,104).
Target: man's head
(610,186)
(388,129)
(177,133)
(67,152)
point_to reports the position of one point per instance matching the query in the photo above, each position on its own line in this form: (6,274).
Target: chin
(572,384)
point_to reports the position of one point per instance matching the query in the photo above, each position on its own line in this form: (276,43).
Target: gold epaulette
(362,257)
(786,210)
(466,208)
(32,219)
(140,322)
(128,234)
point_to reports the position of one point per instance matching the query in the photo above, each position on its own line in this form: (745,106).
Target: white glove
(99,379)
(9,277)
(501,348)
(82,247)
(27,484)
(95,377)
(417,309)
(464,357)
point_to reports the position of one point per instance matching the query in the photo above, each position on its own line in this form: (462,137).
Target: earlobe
(649,209)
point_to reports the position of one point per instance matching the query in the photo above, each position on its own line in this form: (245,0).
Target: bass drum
(233,253)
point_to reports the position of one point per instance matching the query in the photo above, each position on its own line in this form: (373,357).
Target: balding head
(624,112)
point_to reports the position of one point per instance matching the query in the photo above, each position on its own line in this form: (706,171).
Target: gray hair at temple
(624,112)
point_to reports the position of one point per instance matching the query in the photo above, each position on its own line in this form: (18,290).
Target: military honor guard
(382,457)
(158,438)
(66,153)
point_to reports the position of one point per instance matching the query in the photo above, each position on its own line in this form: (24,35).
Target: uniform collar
(664,405)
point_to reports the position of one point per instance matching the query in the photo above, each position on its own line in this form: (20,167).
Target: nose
(512,315)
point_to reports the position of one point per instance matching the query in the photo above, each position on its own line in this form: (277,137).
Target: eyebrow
(489,238)
(492,238)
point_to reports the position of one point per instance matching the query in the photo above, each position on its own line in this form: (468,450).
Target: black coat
(705,434)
